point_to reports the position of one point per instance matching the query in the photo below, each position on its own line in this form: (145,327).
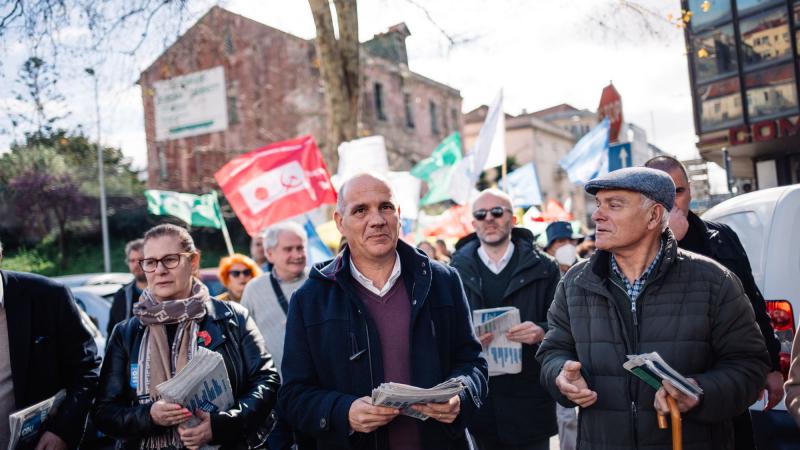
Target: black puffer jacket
(720,243)
(254,380)
(693,312)
(519,411)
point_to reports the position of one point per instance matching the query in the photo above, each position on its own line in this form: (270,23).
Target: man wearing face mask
(562,244)
(500,266)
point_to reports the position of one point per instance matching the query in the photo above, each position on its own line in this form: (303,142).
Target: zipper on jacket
(369,360)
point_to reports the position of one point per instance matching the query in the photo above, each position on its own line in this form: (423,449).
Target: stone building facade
(274,92)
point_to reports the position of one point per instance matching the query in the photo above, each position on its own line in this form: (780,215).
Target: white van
(768,224)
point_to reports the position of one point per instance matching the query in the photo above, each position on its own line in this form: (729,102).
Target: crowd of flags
(287,180)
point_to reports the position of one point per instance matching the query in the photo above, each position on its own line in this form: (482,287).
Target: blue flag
(523,186)
(317,250)
(589,158)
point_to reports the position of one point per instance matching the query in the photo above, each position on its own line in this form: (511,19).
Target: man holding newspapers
(504,273)
(639,293)
(46,353)
(379,312)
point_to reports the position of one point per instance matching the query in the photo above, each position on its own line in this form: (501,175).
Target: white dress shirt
(496,267)
(367,283)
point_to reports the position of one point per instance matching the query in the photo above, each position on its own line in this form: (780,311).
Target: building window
(714,53)
(409,108)
(434,118)
(445,126)
(378,92)
(719,104)
(771,92)
(233,111)
(454,115)
(760,37)
(228,43)
(715,11)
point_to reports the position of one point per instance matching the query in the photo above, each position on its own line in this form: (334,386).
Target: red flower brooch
(203,338)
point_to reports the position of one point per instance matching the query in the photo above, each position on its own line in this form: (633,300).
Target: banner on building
(190,105)
(276,182)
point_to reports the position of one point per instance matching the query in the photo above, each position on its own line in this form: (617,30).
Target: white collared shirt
(367,283)
(496,267)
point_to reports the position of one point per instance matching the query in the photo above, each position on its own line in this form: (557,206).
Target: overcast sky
(541,52)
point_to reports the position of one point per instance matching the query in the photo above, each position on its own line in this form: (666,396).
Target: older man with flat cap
(640,293)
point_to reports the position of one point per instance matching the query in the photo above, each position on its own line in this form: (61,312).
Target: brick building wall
(274,92)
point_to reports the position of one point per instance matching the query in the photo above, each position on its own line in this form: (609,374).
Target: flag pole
(223,226)
(504,174)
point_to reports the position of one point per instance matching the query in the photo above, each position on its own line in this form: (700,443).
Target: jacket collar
(466,257)
(595,272)
(416,269)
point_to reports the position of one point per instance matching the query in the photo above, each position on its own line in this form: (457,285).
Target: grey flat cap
(654,184)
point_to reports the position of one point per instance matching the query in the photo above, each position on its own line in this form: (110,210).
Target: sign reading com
(190,105)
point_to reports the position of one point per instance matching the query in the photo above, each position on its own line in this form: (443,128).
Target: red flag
(611,107)
(276,182)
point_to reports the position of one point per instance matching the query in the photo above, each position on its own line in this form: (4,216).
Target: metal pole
(726,159)
(101,176)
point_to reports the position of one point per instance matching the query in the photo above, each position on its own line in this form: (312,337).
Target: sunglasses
(237,273)
(497,212)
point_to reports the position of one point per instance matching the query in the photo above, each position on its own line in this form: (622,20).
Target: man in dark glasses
(500,266)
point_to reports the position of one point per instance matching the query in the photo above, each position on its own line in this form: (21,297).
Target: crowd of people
(305,346)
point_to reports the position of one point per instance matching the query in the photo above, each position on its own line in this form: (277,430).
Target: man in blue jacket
(380,311)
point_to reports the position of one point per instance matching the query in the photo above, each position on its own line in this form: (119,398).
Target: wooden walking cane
(675,418)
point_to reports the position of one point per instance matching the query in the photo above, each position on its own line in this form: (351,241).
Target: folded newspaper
(503,356)
(27,425)
(202,384)
(402,396)
(653,370)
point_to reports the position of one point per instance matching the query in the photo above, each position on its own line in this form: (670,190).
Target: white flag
(490,148)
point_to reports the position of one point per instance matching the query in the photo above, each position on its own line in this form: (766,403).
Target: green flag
(195,210)
(437,169)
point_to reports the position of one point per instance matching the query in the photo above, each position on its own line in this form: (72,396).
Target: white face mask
(566,254)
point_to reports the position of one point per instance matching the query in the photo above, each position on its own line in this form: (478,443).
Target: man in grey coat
(640,293)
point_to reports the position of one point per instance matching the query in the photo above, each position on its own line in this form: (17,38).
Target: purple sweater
(392,316)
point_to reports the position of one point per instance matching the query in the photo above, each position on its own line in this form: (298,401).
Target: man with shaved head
(380,311)
(500,267)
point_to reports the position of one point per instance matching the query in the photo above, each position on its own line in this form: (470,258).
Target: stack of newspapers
(26,425)
(503,356)
(203,384)
(402,396)
(653,370)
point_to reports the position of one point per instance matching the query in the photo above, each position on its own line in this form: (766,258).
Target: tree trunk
(340,71)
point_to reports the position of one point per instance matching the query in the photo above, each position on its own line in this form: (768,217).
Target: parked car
(767,222)
(96,302)
(95,279)
(210,278)
(97,336)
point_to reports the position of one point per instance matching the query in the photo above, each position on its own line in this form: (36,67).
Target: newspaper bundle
(503,356)
(653,370)
(402,396)
(202,384)
(26,425)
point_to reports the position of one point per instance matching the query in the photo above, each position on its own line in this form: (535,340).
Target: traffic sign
(619,156)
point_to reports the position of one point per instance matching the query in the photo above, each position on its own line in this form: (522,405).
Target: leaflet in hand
(402,396)
(202,384)
(653,370)
(27,425)
(504,356)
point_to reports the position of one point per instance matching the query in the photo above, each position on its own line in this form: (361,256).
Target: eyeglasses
(170,261)
(497,212)
(238,273)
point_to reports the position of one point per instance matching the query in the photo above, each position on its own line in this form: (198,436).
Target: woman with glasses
(174,315)
(235,272)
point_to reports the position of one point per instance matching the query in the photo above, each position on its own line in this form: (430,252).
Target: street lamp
(101,176)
